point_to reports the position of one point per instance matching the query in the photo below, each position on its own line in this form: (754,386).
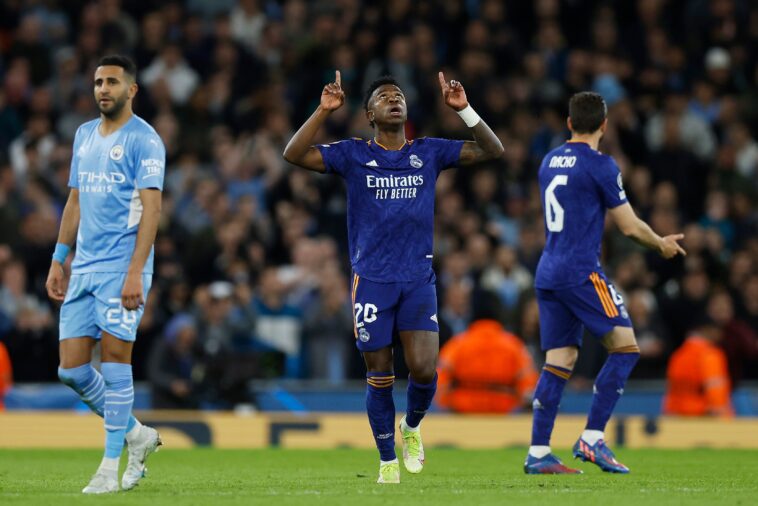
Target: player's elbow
(152,207)
(291,156)
(634,229)
(287,155)
(499,150)
(495,150)
(629,229)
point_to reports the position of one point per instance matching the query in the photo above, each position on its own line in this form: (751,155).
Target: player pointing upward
(578,184)
(112,214)
(390,220)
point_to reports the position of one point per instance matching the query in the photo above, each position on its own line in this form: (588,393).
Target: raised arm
(131,294)
(56,277)
(639,231)
(300,150)
(485,145)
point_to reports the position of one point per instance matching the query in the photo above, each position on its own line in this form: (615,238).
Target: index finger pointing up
(441,77)
(338,79)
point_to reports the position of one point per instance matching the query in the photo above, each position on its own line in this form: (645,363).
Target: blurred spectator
(6,374)
(328,331)
(177,368)
(687,301)
(247,23)
(697,376)
(30,152)
(506,277)
(278,324)
(221,322)
(677,126)
(170,70)
(652,337)
(740,342)
(455,312)
(485,369)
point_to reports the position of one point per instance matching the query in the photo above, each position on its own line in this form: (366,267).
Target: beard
(114,109)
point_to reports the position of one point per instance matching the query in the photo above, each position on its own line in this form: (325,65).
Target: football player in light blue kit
(112,214)
(578,185)
(390,220)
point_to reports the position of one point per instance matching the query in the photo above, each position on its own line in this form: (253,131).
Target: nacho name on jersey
(395,187)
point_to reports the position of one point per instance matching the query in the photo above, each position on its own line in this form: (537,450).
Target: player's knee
(423,372)
(620,338)
(72,376)
(65,376)
(563,357)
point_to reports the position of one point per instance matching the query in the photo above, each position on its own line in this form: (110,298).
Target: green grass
(460,477)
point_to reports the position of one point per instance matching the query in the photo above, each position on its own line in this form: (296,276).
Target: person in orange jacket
(6,374)
(485,369)
(698,375)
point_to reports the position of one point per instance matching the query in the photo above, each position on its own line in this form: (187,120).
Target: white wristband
(469,116)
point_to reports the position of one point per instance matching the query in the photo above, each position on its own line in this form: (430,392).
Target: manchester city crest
(416,162)
(363,335)
(117,152)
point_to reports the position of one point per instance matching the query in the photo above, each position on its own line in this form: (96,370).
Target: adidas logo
(372,163)
(433,318)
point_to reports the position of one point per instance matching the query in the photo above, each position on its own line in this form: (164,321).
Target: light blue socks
(119,398)
(86,381)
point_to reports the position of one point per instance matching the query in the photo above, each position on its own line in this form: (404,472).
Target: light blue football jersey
(109,172)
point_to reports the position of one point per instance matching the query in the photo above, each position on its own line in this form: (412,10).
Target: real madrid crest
(363,335)
(117,152)
(416,162)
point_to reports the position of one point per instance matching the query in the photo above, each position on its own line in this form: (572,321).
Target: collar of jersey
(579,142)
(405,143)
(119,129)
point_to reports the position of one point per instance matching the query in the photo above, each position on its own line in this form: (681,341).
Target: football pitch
(344,476)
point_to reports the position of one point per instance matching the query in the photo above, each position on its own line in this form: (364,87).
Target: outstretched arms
(300,150)
(639,231)
(485,145)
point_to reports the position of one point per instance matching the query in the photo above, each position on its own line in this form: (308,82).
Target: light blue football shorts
(93,306)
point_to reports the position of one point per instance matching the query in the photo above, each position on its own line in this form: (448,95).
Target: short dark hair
(119,60)
(486,305)
(587,111)
(373,86)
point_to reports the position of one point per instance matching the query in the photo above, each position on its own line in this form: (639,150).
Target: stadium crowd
(251,271)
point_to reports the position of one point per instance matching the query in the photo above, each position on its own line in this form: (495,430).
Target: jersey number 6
(553,209)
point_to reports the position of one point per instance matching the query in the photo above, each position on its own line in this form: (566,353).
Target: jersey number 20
(553,209)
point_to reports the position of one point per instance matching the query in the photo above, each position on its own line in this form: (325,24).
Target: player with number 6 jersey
(390,220)
(579,185)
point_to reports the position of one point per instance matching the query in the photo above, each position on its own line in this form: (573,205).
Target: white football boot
(146,443)
(102,483)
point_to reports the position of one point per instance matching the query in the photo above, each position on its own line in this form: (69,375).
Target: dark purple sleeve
(336,156)
(447,151)
(610,184)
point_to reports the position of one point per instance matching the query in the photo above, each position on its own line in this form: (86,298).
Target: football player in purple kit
(578,184)
(390,196)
